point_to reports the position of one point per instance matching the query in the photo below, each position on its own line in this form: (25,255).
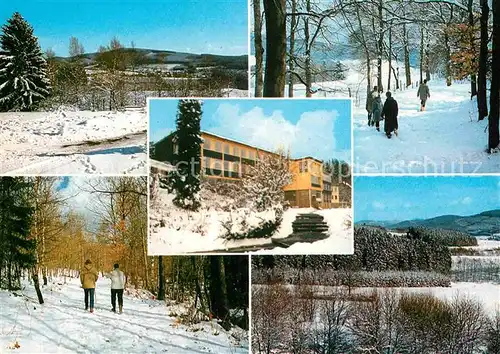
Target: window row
(227,148)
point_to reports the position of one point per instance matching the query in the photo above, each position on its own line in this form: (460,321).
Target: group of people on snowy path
(88,279)
(389,110)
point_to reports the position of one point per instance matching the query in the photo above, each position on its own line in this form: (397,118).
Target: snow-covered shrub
(263,185)
(247,223)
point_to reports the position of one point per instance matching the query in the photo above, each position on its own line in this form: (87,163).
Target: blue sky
(197,26)
(318,128)
(405,198)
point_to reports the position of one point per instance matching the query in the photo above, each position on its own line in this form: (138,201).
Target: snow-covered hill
(62,325)
(102,142)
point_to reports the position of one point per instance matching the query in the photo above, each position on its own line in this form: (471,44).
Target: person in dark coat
(390,114)
(369,104)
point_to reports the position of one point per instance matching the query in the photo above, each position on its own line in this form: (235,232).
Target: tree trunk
(421,53)
(161,279)
(291,64)
(473,88)
(36,283)
(448,58)
(275,72)
(259,50)
(482,106)
(407,57)
(218,290)
(307,63)
(427,62)
(493,126)
(390,58)
(199,294)
(380,46)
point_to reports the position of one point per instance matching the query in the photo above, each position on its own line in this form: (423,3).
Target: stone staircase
(306,228)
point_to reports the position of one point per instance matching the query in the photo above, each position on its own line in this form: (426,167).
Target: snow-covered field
(487,293)
(189,232)
(62,326)
(73,142)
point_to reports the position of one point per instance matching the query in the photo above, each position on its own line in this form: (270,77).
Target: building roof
(204,132)
(236,141)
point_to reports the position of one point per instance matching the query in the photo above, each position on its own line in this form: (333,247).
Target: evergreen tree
(23,69)
(17,251)
(186,180)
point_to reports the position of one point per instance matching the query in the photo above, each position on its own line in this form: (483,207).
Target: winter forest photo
(250,175)
(75,275)
(73,90)
(424,75)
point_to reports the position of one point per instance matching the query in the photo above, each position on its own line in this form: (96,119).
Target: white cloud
(312,135)
(407,205)
(466,201)
(378,205)
(463,201)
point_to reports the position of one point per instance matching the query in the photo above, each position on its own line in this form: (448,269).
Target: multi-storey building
(223,158)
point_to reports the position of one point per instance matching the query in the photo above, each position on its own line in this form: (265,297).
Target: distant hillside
(484,224)
(152,56)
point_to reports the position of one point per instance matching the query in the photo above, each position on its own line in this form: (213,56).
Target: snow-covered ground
(58,142)
(487,293)
(177,231)
(446,138)
(62,326)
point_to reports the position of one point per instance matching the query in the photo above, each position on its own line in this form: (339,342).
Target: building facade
(227,159)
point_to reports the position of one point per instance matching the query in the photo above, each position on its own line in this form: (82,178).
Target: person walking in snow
(369,104)
(88,278)
(377,112)
(390,114)
(424,94)
(117,285)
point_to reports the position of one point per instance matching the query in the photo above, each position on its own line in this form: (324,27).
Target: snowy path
(33,143)
(446,138)
(61,325)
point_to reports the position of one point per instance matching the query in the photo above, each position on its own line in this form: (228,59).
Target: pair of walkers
(378,111)
(88,278)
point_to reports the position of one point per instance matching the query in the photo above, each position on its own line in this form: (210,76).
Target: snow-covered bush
(263,185)
(247,223)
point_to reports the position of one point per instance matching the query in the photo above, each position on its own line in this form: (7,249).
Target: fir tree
(23,69)
(186,180)
(17,251)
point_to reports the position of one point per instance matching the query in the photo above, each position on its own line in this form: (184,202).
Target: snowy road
(61,325)
(446,138)
(107,142)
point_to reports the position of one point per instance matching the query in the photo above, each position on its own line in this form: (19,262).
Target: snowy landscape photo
(438,61)
(424,276)
(75,276)
(250,176)
(73,93)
